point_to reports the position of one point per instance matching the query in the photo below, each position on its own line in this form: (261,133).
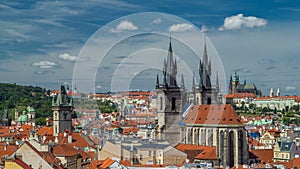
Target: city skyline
(258,39)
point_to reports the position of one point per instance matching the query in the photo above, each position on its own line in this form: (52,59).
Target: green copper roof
(30,109)
(22,118)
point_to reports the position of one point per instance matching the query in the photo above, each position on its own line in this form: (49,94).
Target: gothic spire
(182,86)
(193,83)
(170,46)
(217,82)
(157,81)
(209,68)
(200,74)
(230,84)
(205,56)
(171,67)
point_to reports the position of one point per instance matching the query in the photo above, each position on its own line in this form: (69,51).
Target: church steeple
(182,86)
(193,83)
(171,68)
(206,68)
(62,109)
(217,83)
(157,81)
(200,74)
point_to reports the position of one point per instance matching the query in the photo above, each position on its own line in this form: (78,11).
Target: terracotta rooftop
(212,115)
(65,150)
(240,95)
(208,153)
(197,151)
(264,155)
(101,164)
(48,131)
(22,164)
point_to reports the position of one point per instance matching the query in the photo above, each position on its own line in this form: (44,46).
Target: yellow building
(16,164)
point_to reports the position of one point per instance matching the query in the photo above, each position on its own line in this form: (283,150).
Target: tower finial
(217,80)
(193,82)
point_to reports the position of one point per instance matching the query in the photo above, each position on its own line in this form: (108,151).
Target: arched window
(241,145)
(231,148)
(196,136)
(161,103)
(209,100)
(203,137)
(222,146)
(210,137)
(173,107)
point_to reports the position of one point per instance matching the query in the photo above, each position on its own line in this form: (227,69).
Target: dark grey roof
(285,146)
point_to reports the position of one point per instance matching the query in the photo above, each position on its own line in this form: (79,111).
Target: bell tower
(62,108)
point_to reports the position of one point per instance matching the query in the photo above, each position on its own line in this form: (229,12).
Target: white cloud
(289,88)
(123,26)
(45,64)
(203,29)
(240,21)
(180,27)
(68,57)
(156,21)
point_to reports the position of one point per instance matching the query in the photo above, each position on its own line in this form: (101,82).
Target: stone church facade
(198,116)
(172,98)
(218,126)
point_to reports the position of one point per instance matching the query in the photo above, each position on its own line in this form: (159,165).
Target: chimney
(65,133)
(56,140)
(70,138)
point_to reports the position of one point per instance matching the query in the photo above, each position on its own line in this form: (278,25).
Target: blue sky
(41,40)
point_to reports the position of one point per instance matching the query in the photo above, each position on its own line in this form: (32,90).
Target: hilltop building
(236,87)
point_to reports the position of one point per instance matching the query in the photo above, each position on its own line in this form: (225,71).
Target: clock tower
(62,107)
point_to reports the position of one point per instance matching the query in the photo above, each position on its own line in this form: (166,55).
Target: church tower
(234,82)
(62,108)
(169,98)
(205,93)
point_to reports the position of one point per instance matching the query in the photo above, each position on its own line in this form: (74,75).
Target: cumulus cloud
(156,21)
(181,27)
(45,64)
(289,88)
(203,29)
(240,21)
(124,26)
(68,57)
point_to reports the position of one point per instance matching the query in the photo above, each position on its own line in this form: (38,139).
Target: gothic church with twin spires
(172,98)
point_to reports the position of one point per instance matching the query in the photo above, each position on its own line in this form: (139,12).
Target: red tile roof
(208,153)
(264,155)
(101,164)
(48,131)
(240,95)
(65,150)
(212,115)
(22,164)
(198,152)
